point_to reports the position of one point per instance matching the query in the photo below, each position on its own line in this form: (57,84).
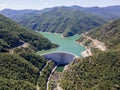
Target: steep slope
(19,64)
(18,71)
(109,34)
(100,71)
(61,20)
(94,73)
(21,71)
(13,35)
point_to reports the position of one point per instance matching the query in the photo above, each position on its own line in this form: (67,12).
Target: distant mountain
(110,13)
(60,20)
(67,20)
(100,71)
(14,14)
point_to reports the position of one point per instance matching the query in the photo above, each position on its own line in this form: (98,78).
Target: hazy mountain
(66,20)
(112,12)
(14,14)
(60,20)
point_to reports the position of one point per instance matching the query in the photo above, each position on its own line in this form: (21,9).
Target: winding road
(38,88)
(50,77)
(100,45)
(97,44)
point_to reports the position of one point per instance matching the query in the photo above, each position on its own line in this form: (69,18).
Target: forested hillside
(60,20)
(17,73)
(108,33)
(19,65)
(13,35)
(100,71)
(22,69)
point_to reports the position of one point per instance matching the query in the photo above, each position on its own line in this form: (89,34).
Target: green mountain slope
(15,68)
(94,73)
(19,64)
(61,20)
(70,20)
(9,84)
(100,71)
(13,35)
(109,33)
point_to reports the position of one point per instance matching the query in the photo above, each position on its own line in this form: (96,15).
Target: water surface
(66,44)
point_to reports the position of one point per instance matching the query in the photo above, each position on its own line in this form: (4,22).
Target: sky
(41,4)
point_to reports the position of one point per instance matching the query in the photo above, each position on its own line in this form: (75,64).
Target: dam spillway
(60,58)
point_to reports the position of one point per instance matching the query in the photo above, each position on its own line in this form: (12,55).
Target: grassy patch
(60,68)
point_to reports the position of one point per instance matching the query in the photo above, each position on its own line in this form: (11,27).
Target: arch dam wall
(60,58)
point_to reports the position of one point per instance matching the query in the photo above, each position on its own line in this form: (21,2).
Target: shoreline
(87,52)
(96,44)
(64,46)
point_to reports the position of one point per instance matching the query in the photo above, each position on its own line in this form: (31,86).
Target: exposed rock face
(60,57)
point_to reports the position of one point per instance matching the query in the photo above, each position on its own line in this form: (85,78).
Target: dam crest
(60,57)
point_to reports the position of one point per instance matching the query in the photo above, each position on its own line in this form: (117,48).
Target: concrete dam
(60,58)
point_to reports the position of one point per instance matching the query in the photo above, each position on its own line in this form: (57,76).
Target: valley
(60,48)
(63,20)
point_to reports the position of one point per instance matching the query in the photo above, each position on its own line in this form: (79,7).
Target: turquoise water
(66,44)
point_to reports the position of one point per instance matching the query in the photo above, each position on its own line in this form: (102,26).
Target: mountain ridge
(60,20)
(97,9)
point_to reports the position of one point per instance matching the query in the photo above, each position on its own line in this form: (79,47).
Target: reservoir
(66,44)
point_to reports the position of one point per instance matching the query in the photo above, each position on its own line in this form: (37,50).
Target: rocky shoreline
(94,43)
(87,52)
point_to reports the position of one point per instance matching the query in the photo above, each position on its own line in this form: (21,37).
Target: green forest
(13,35)
(100,71)
(20,69)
